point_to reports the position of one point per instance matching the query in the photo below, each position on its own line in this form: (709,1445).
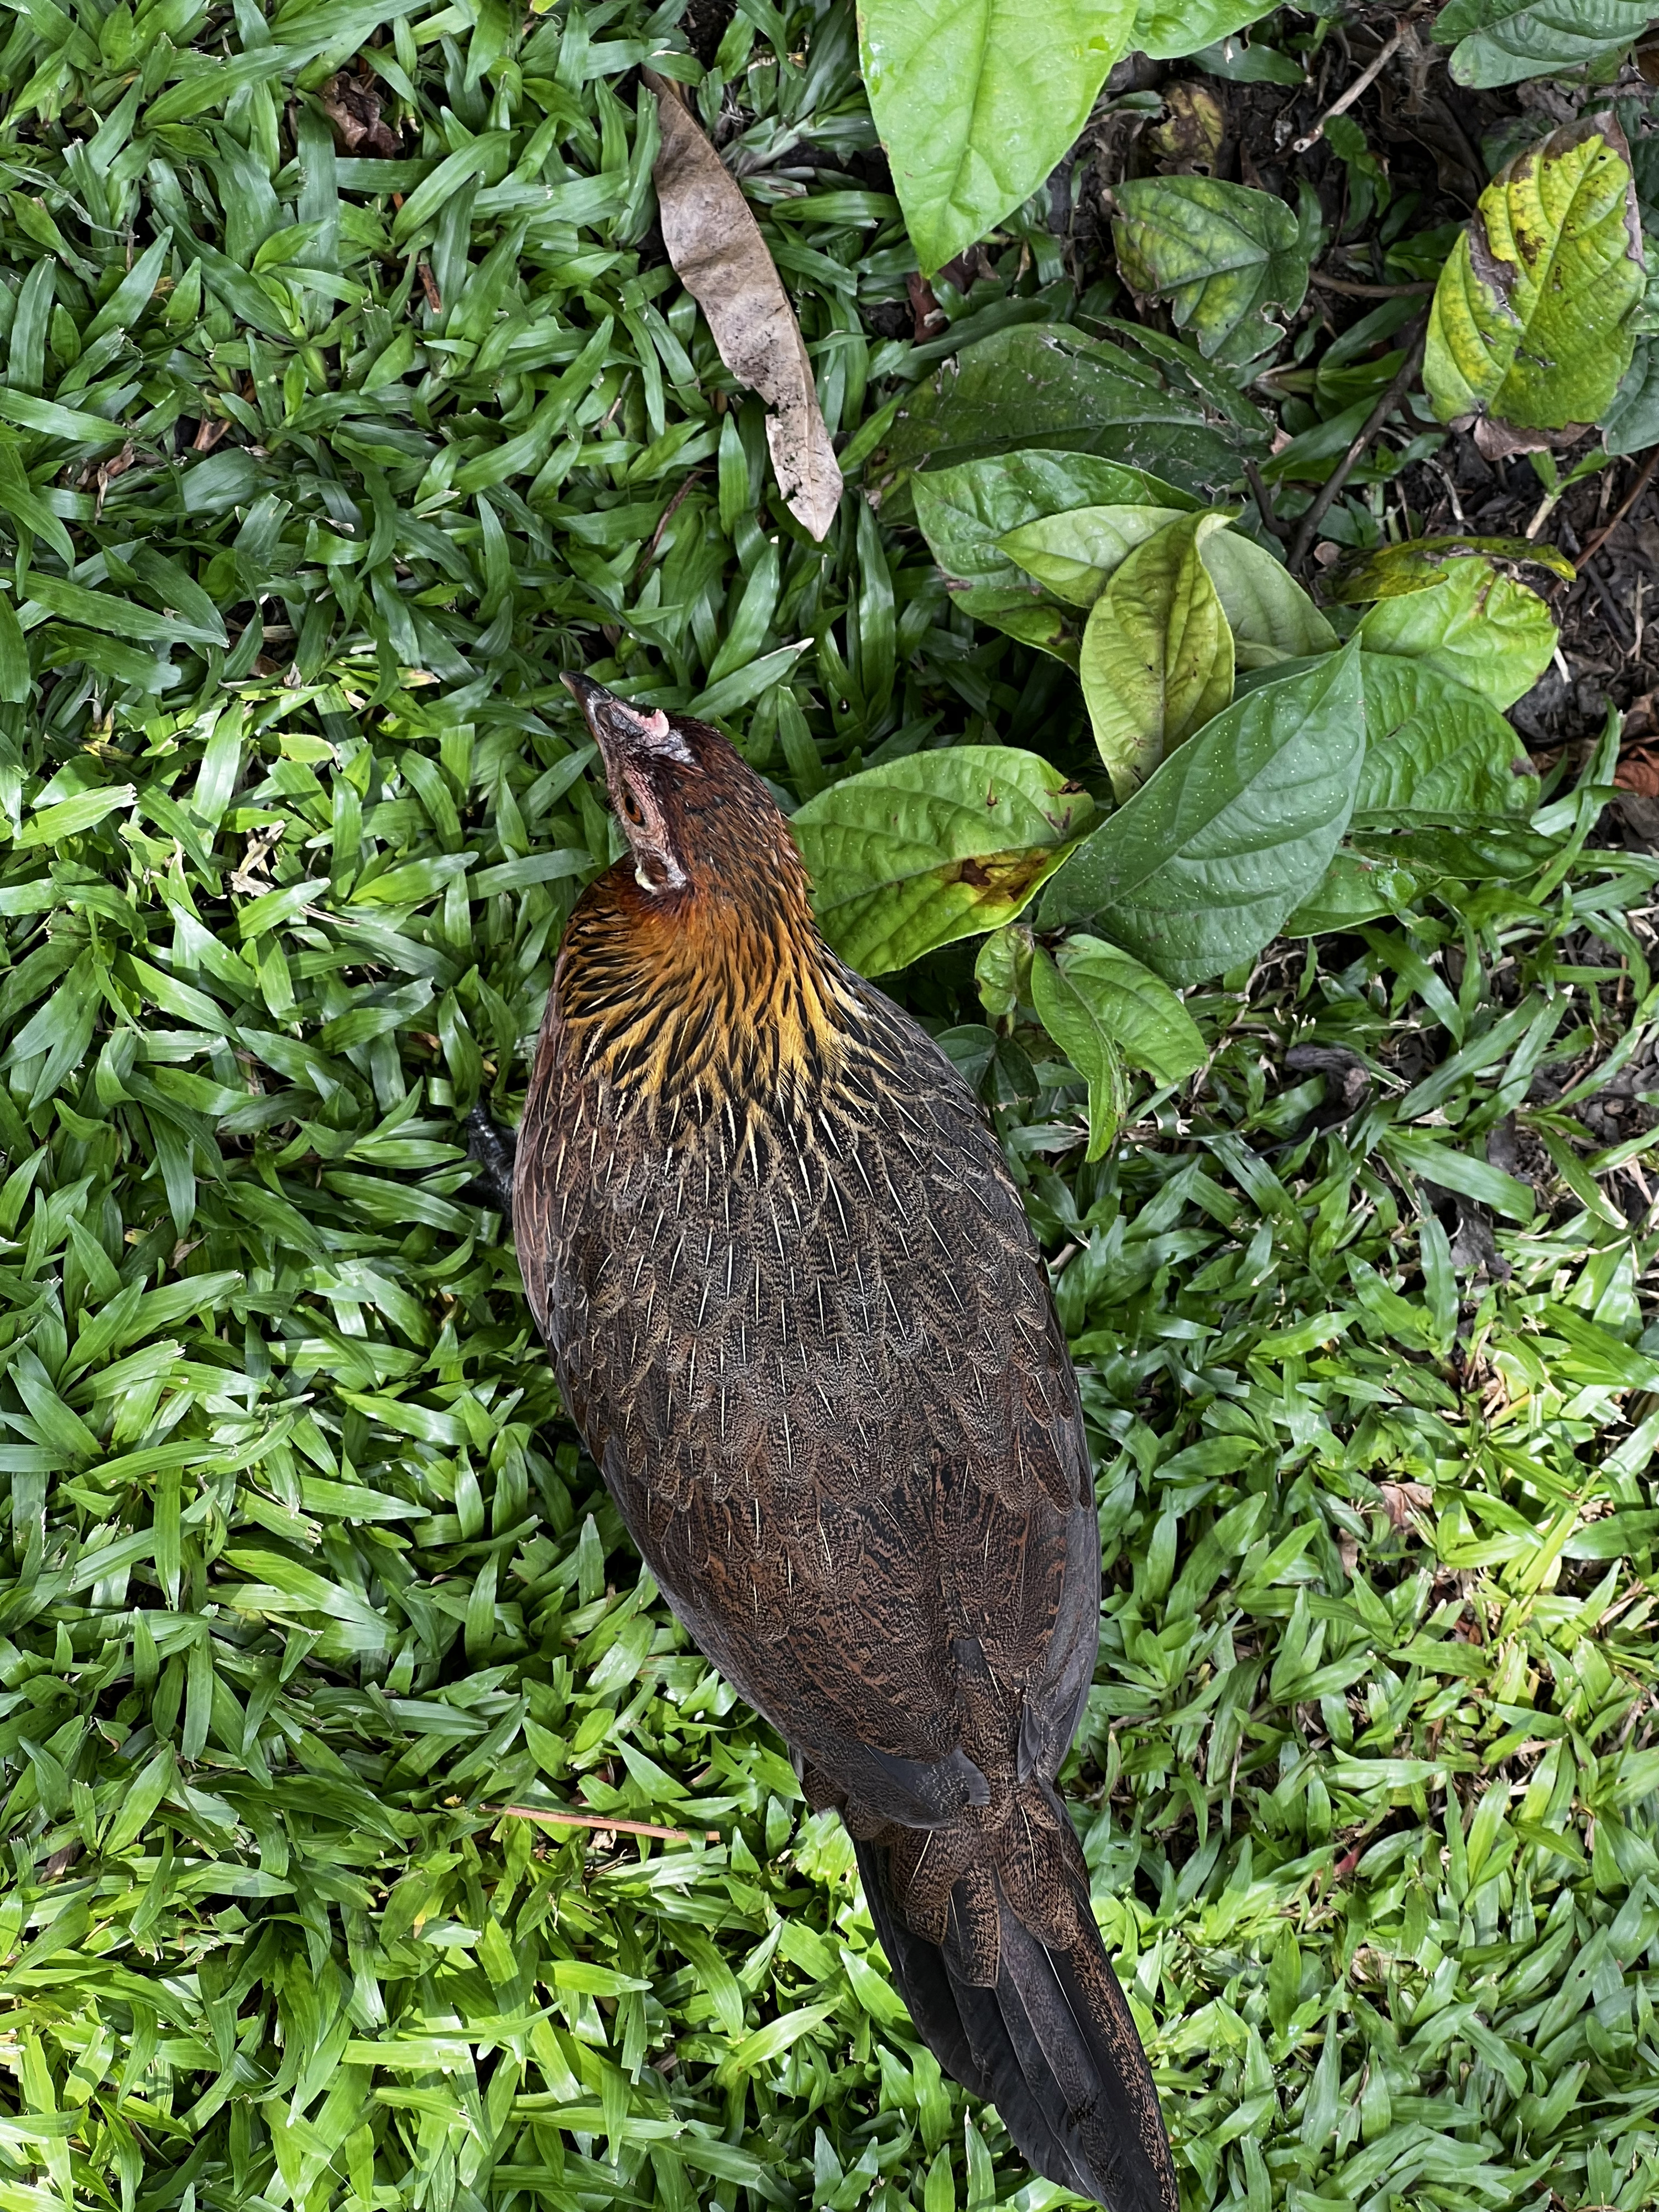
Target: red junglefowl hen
(798,1314)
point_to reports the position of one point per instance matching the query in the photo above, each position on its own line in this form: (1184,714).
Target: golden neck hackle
(688,1003)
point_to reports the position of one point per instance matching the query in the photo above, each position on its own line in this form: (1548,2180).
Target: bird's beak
(622,731)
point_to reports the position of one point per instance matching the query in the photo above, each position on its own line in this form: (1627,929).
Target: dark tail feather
(1052,2046)
(963,2028)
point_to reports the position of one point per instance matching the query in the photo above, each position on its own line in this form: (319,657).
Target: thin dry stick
(1361,83)
(1636,491)
(595,1821)
(1264,501)
(663,521)
(1379,415)
(1365,291)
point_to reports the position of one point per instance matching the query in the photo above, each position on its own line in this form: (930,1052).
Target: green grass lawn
(308,1580)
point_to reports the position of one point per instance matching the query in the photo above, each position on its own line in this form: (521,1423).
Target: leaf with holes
(1220,254)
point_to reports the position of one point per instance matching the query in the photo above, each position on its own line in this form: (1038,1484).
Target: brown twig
(607,1821)
(1633,497)
(1264,501)
(1365,291)
(1379,415)
(1361,83)
(663,521)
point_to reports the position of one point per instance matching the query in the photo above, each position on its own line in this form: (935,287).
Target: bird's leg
(492,1148)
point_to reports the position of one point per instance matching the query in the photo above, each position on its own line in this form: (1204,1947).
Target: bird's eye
(632,811)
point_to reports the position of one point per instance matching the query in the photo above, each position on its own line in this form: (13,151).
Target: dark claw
(492,1148)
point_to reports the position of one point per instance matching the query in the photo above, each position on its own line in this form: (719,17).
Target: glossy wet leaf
(1039,385)
(1533,314)
(976,100)
(1158,655)
(1221,255)
(940,846)
(1201,868)
(1500,42)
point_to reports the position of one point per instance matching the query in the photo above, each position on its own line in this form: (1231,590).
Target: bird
(798,1314)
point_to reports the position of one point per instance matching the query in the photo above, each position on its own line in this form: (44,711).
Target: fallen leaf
(1405,1499)
(716,247)
(1191,137)
(353,106)
(1638,771)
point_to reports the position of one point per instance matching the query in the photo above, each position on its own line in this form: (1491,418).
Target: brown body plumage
(798,1314)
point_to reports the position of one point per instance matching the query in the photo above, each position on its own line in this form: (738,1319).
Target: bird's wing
(822,1374)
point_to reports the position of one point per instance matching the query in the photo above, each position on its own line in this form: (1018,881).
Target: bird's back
(810,1341)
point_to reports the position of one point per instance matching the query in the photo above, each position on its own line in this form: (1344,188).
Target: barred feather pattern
(798,1313)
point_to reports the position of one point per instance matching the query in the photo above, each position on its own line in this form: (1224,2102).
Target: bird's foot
(491,1148)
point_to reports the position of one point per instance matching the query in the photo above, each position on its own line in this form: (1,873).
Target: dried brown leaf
(1404,1500)
(353,108)
(715,246)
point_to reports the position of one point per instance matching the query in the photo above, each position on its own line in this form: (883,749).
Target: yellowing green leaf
(1532,321)
(1475,625)
(1158,655)
(1219,253)
(941,845)
(1075,553)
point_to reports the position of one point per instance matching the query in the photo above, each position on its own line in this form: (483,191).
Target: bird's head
(693,970)
(700,824)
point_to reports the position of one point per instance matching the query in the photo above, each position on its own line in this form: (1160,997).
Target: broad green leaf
(1532,321)
(1354,889)
(1271,617)
(1158,655)
(1169,30)
(1002,972)
(932,847)
(964,513)
(1074,554)
(1502,41)
(977,101)
(1476,626)
(1630,424)
(1046,385)
(1436,751)
(1031,617)
(1414,563)
(1220,254)
(1197,870)
(1070,1014)
(1139,1012)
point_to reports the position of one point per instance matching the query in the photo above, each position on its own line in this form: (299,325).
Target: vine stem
(1379,415)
